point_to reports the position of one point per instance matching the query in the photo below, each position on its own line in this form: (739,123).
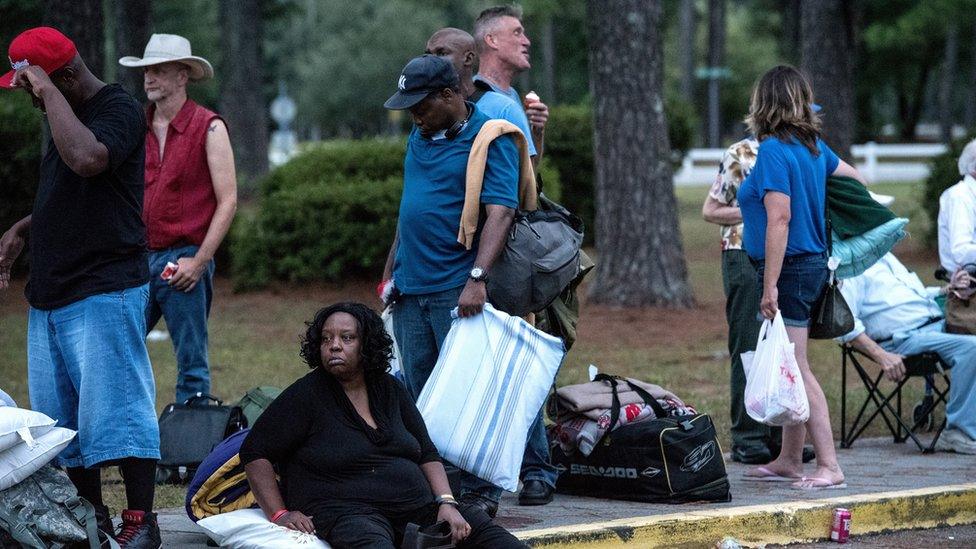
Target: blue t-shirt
(429,258)
(499,106)
(788,168)
(512,94)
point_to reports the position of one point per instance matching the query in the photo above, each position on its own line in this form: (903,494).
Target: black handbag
(831,316)
(189,431)
(662,460)
(435,536)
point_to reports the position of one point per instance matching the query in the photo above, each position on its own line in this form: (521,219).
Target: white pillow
(18,425)
(22,460)
(250,529)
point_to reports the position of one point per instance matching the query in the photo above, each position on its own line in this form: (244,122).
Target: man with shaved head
(87,364)
(458,47)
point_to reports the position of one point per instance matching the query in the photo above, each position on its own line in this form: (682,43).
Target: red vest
(179,201)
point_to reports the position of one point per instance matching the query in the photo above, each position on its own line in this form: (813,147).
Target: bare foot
(822,477)
(779,467)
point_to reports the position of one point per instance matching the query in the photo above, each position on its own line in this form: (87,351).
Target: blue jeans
(536,461)
(186,316)
(420,325)
(88,368)
(959,351)
(801,282)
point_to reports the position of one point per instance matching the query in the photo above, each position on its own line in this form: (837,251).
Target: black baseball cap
(422,76)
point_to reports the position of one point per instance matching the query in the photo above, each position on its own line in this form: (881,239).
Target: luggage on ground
(254,402)
(44,511)
(220,484)
(188,432)
(663,460)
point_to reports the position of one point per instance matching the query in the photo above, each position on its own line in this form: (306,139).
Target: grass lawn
(254,336)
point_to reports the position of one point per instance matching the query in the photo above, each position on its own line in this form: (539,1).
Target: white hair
(967,160)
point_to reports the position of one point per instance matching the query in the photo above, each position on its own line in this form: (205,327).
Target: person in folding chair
(895,315)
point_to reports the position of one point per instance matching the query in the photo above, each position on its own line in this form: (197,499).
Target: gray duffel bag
(541,258)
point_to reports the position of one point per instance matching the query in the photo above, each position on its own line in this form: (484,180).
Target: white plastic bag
(492,375)
(775,394)
(250,529)
(387,317)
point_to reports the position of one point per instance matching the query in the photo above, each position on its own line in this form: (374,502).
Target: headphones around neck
(456,128)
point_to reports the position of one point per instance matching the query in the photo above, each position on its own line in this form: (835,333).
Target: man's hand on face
(472,299)
(33,79)
(538,113)
(188,274)
(11,244)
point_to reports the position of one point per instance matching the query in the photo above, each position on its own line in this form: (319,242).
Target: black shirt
(86,235)
(331,462)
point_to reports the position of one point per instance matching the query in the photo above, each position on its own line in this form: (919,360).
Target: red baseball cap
(42,46)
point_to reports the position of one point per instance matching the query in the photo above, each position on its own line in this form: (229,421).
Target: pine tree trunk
(133,26)
(687,34)
(790,38)
(827,57)
(947,82)
(83,23)
(970,116)
(547,41)
(241,85)
(716,59)
(641,261)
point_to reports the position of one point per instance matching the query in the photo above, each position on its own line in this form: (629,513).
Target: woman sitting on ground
(355,460)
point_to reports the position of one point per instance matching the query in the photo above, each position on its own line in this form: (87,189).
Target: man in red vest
(190,200)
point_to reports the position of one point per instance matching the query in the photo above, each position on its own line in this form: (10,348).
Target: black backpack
(662,460)
(189,431)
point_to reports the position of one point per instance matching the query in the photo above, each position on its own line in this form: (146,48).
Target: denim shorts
(800,284)
(87,367)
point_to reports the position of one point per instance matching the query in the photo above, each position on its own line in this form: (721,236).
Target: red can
(840,531)
(169,270)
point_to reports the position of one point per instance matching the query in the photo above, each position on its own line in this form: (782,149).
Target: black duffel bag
(189,431)
(662,460)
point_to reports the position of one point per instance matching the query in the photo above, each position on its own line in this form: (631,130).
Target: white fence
(878,162)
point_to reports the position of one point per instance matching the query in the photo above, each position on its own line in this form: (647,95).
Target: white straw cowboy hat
(170,48)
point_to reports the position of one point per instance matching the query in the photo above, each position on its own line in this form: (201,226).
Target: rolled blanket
(580,432)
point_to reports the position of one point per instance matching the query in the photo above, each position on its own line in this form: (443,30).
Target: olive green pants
(741,312)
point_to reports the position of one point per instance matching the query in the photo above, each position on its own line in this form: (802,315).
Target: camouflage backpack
(44,511)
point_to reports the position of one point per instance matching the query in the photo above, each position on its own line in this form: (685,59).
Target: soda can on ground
(169,270)
(840,530)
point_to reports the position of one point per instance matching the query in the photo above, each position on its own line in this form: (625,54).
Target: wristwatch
(478,274)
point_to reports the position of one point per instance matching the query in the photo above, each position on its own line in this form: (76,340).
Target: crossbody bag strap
(614,404)
(659,410)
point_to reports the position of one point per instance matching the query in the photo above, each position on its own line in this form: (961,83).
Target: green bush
(20,148)
(328,214)
(569,146)
(944,174)
(326,230)
(340,158)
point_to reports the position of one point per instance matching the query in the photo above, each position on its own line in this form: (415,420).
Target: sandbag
(250,529)
(18,425)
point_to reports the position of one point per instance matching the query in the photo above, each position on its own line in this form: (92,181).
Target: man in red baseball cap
(87,363)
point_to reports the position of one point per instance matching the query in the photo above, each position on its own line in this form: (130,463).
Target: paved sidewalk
(890,486)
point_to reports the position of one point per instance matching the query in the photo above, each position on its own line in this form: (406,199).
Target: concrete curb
(777,523)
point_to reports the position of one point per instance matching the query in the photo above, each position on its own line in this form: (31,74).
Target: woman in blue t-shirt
(782,203)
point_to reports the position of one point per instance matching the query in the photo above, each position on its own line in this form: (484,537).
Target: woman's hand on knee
(460,529)
(296,520)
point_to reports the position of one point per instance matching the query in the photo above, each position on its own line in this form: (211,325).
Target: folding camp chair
(926,365)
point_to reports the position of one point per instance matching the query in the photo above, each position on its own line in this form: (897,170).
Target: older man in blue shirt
(896,315)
